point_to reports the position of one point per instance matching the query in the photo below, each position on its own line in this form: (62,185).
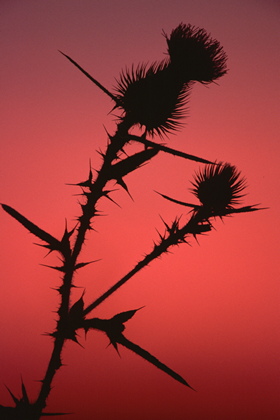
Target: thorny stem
(55,359)
(54,365)
(115,145)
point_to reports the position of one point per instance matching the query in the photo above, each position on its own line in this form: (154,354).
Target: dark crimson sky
(211,310)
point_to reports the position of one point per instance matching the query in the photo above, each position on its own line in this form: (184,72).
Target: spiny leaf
(49,247)
(194,206)
(15,399)
(125,316)
(152,359)
(91,78)
(86,183)
(169,150)
(75,319)
(129,164)
(80,265)
(113,327)
(24,393)
(246,209)
(54,243)
(58,268)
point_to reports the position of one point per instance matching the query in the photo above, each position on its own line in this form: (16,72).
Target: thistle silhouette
(153,98)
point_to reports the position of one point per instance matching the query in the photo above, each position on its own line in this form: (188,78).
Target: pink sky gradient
(211,310)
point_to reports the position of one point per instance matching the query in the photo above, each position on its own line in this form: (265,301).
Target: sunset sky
(211,310)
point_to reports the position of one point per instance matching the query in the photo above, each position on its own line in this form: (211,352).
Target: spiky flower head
(219,188)
(155,96)
(152,97)
(195,55)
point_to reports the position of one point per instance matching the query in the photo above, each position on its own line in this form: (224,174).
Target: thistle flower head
(219,188)
(155,96)
(195,55)
(152,98)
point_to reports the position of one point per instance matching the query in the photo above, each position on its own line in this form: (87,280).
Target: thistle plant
(154,99)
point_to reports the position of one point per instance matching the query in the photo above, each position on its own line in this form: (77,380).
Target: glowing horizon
(210,310)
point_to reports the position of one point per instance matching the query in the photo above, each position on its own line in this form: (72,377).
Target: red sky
(211,310)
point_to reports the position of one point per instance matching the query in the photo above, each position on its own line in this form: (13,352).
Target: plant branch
(175,235)
(198,224)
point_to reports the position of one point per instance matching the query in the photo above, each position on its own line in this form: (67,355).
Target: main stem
(115,145)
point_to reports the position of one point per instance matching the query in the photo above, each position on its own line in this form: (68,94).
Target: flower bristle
(152,97)
(219,187)
(195,54)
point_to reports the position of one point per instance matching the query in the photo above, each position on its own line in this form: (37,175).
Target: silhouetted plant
(154,98)
(194,55)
